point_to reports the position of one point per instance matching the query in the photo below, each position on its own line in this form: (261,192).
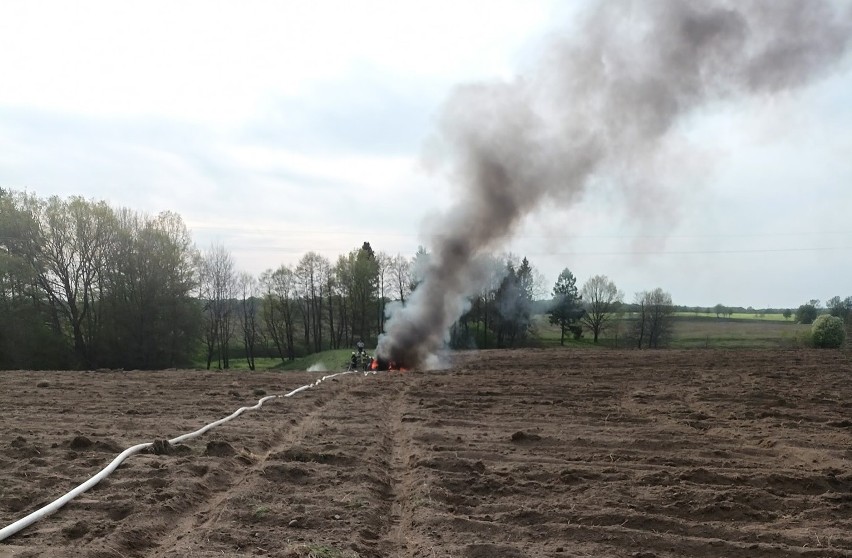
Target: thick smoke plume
(599,103)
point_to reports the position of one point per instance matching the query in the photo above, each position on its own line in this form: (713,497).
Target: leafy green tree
(827,332)
(840,308)
(602,303)
(28,336)
(514,304)
(149,314)
(357,274)
(567,309)
(484,311)
(807,313)
(88,285)
(787,313)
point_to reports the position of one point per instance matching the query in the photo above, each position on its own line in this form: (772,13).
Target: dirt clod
(80,443)
(521,436)
(162,447)
(218,448)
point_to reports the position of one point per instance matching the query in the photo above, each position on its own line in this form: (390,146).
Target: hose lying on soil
(52,507)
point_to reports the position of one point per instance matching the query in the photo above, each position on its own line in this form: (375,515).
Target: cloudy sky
(276,128)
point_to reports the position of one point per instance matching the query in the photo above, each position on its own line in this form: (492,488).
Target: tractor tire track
(396,537)
(192,532)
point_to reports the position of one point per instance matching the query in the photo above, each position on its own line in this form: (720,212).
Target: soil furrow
(525,453)
(399,538)
(190,532)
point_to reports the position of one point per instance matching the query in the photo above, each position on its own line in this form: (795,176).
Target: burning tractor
(363,361)
(381,364)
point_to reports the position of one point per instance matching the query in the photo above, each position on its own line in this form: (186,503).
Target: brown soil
(512,453)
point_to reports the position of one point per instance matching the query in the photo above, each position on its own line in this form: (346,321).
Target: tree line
(84,285)
(87,285)
(598,307)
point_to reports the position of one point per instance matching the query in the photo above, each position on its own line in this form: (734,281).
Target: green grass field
(736,316)
(746,331)
(692,331)
(332,361)
(737,333)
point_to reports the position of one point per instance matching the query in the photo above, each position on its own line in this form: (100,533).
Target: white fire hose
(52,507)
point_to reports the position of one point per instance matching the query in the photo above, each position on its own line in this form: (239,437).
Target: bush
(827,332)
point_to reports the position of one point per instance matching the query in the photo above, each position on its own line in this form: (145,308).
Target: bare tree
(400,276)
(312,279)
(247,287)
(655,318)
(279,309)
(602,301)
(217,282)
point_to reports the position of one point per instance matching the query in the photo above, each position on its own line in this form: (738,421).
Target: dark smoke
(599,103)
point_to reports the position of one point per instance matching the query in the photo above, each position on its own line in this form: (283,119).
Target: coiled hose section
(52,507)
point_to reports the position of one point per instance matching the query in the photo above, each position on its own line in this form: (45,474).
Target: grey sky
(277,128)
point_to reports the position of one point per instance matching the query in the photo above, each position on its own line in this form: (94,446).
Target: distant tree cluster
(317,305)
(721,311)
(598,306)
(835,306)
(840,308)
(86,285)
(501,314)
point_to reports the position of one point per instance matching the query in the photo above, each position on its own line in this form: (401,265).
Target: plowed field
(511,453)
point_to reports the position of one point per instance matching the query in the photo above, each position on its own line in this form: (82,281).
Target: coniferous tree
(567,309)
